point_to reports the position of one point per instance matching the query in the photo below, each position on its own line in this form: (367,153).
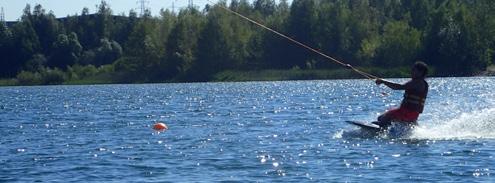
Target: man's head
(419,70)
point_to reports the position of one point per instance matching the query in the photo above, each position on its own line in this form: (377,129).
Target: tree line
(455,37)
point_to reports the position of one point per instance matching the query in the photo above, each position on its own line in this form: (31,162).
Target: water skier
(413,102)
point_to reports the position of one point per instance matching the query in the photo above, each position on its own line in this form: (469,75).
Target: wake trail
(468,125)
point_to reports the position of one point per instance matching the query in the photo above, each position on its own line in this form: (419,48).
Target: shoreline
(258,76)
(233,76)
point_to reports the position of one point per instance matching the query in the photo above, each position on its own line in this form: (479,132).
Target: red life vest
(415,100)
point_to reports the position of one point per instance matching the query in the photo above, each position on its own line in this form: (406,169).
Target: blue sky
(61,8)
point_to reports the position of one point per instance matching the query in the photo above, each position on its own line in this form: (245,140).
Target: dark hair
(422,67)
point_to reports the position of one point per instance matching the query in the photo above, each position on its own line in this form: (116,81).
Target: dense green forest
(455,37)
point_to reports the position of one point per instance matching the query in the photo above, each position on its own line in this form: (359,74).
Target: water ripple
(247,132)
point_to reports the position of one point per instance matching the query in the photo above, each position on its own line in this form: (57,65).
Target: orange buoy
(160,127)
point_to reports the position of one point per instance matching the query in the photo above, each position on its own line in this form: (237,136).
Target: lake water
(253,131)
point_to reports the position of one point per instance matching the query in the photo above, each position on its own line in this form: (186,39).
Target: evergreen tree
(26,42)
(216,46)
(302,18)
(182,42)
(142,53)
(67,51)
(400,45)
(8,68)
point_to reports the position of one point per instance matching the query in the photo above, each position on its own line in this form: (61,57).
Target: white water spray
(476,124)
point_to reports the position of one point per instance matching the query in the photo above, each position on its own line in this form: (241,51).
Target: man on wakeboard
(413,102)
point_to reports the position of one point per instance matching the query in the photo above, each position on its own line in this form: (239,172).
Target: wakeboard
(395,130)
(365,125)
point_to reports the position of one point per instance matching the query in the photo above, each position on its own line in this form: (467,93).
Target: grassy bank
(101,79)
(298,74)
(8,82)
(106,75)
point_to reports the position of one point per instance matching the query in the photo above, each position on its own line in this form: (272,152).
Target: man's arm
(392,85)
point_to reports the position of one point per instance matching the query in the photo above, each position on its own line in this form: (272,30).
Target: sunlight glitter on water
(242,132)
